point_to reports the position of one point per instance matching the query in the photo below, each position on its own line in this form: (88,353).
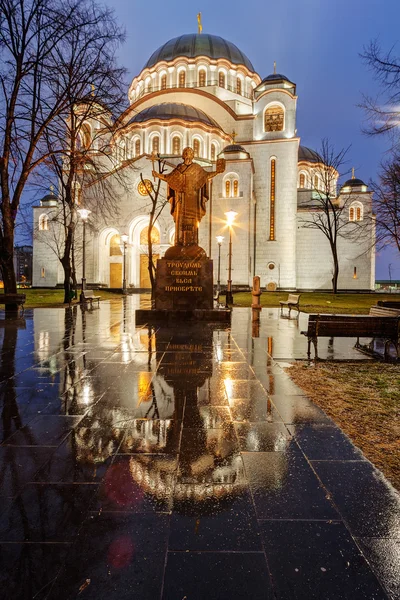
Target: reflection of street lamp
(220,239)
(124,239)
(83,213)
(230,217)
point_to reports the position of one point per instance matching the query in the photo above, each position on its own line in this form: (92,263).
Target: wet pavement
(151,463)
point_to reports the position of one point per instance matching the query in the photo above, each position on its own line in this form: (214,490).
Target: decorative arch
(105,260)
(176,143)
(163,80)
(231,185)
(85,136)
(239,85)
(356,211)
(303,178)
(274,117)
(154,142)
(222,78)
(214,150)
(181,77)
(202,77)
(43,222)
(197,145)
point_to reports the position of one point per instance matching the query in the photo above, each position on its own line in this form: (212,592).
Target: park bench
(291,302)
(89,297)
(387,328)
(15,300)
(384,311)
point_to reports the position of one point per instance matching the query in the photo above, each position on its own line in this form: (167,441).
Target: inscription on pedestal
(184,284)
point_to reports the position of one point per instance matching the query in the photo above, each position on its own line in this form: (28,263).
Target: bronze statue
(188,194)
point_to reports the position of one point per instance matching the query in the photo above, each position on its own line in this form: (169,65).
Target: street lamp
(124,239)
(230,217)
(83,213)
(220,239)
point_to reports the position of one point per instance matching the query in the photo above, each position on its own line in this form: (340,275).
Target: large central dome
(195,44)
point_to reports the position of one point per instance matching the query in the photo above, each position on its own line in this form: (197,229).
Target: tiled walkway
(180,464)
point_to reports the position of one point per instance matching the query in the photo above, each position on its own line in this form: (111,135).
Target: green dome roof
(171,110)
(195,44)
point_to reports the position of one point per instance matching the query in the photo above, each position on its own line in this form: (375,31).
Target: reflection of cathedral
(201,91)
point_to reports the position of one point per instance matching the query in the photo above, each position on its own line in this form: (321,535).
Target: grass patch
(314,302)
(54,297)
(364,400)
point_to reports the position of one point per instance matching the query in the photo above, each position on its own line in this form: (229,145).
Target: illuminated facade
(201,91)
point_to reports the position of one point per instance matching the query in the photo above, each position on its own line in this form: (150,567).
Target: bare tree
(41,78)
(386,203)
(323,209)
(383,113)
(157,203)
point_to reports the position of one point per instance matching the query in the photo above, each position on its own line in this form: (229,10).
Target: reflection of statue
(187,194)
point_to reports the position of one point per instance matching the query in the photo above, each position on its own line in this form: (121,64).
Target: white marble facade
(202,91)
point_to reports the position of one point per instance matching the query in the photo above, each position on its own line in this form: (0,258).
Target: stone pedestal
(184,284)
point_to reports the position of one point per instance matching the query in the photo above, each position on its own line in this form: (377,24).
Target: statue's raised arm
(187,195)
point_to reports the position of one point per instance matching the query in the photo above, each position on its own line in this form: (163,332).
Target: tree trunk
(7,255)
(66,263)
(151,265)
(335,275)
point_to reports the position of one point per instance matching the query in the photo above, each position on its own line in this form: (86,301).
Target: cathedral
(200,90)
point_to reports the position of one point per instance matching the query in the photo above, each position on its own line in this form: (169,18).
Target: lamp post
(230,217)
(84,214)
(220,239)
(124,239)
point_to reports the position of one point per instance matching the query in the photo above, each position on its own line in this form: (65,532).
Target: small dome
(234,148)
(308,155)
(195,44)
(275,77)
(168,111)
(354,182)
(49,200)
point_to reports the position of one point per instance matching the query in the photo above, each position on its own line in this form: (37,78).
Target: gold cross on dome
(199,23)
(352,173)
(274,67)
(233,136)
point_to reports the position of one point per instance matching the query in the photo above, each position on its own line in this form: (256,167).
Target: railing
(209,83)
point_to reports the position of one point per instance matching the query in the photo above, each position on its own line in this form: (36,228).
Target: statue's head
(188,155)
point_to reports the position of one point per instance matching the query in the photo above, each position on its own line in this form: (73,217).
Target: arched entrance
(115,262)
(144,254)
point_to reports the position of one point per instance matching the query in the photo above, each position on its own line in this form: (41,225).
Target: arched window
(163,85)
(213,152)
(316,182)
(273,118)
(228,188)
(147,86)
(155,144)
(239,86)
(182,79)
(356,212)
(115,249)
(176,145)
(302,180)
(196,147)
(43,223)
(155,236)
(85,136)
(202,78)
(137,147)
(221,79)
(231,185)
(235,188)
